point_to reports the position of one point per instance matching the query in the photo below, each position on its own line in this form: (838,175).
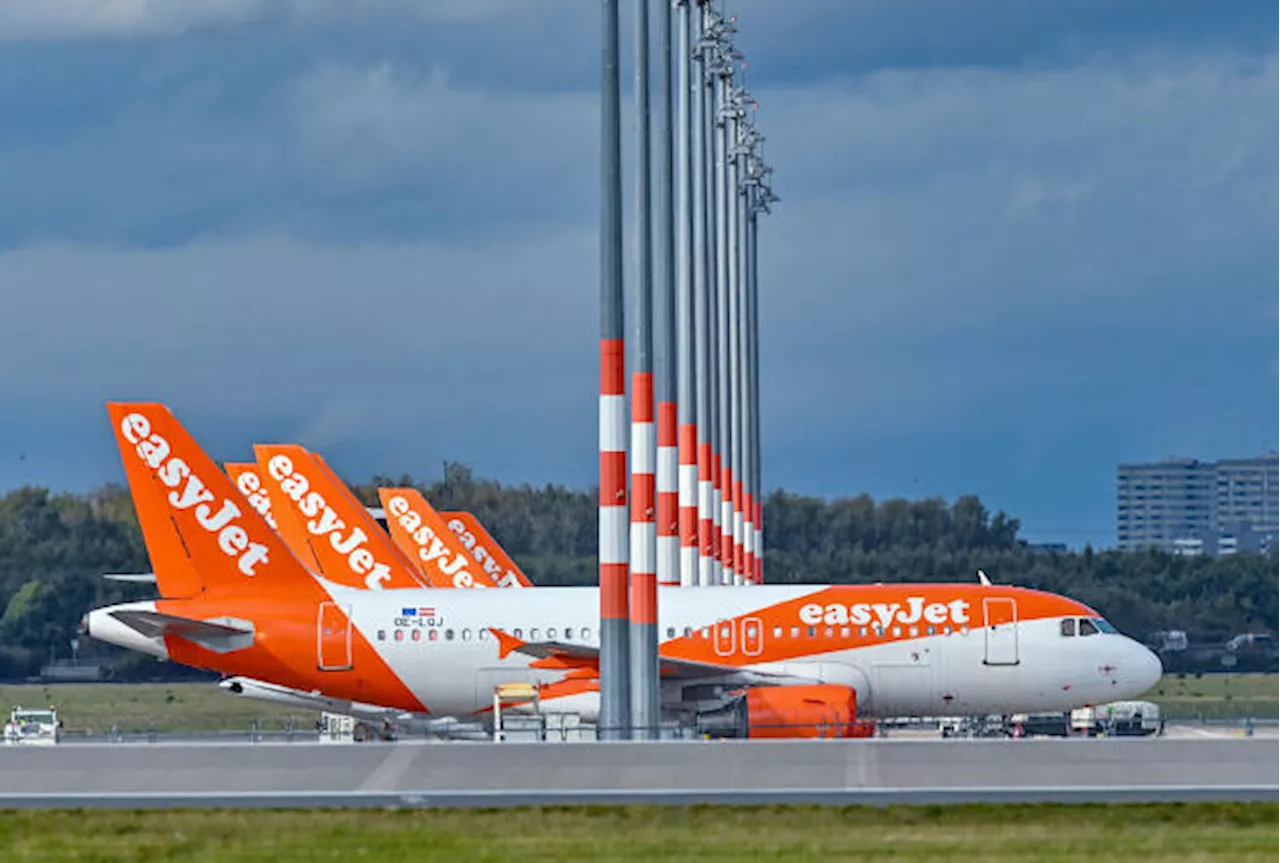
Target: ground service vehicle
(32,727)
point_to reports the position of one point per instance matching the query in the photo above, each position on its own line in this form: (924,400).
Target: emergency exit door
(1000,616)
(333,637)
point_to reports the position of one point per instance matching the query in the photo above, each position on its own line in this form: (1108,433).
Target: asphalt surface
(486,774)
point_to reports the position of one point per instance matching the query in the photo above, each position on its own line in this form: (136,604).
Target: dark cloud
(1005,259)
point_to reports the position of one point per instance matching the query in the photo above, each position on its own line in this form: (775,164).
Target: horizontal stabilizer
(221,637)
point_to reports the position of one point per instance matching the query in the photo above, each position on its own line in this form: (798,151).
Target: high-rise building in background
(1187,506)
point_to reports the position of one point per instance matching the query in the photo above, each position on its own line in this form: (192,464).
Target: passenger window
(518,632)
(433,635)
(946,630)
(795,632)
(1069,627)
(688,632)
(533,634)
(777,632)
(466,635)
(897,631)
(484,635)
(671,632)
(1087,627)
(930,630)
(914,631)
(844,632)
(399,635)
(586,634)
(830,632)
(448,635)
(862,632)
(813,632)
(382,635)
(706,632)
(879,631)
(417,635)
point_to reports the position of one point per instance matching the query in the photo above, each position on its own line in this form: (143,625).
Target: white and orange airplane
(768,660)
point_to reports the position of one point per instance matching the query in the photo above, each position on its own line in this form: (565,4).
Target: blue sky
(1018,242)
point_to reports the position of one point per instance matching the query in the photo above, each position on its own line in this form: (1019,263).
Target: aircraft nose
(1147,668)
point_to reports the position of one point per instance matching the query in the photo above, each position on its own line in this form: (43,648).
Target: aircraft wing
(670,668)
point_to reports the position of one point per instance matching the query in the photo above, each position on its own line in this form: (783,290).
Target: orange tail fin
(423,535)
(486,551)
(349,547)
(290,529)
(202,536)
(246,477)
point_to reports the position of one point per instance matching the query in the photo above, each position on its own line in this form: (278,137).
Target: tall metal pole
(614,688)
(686,348)
(762,198)
(667,360)
(710,103)
(644,579)
(702,296)
(753,387)
(724,311)
(738,335)
(746,139)
(732,477)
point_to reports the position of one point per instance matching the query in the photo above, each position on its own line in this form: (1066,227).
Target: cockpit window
(1087,627)
(1105,626)
(1069,627)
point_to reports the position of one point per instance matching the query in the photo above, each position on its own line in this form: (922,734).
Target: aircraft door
(333,637)
(722,637)
(1000,616)
(752,636)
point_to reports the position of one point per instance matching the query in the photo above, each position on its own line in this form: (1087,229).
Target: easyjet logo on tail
(247,480)
(482,556)
(190,493)
(323,522)
(431,548)
(914,610)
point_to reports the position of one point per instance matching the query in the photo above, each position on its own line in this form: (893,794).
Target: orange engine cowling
(819,710)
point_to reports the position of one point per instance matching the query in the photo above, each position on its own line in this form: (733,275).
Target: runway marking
(387,775)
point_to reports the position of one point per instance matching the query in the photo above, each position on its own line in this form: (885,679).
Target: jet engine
(819,710)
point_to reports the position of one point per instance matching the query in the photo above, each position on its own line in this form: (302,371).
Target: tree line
(54,548)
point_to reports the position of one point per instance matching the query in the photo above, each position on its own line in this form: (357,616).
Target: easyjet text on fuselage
(914,610)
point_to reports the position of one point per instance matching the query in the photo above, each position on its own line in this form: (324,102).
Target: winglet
(507,644)
(983,580)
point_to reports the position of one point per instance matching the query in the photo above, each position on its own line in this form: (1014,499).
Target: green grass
(1181,832)
(171,706)
(1217,695)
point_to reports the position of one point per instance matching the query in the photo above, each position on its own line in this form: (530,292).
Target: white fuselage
(453,664)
